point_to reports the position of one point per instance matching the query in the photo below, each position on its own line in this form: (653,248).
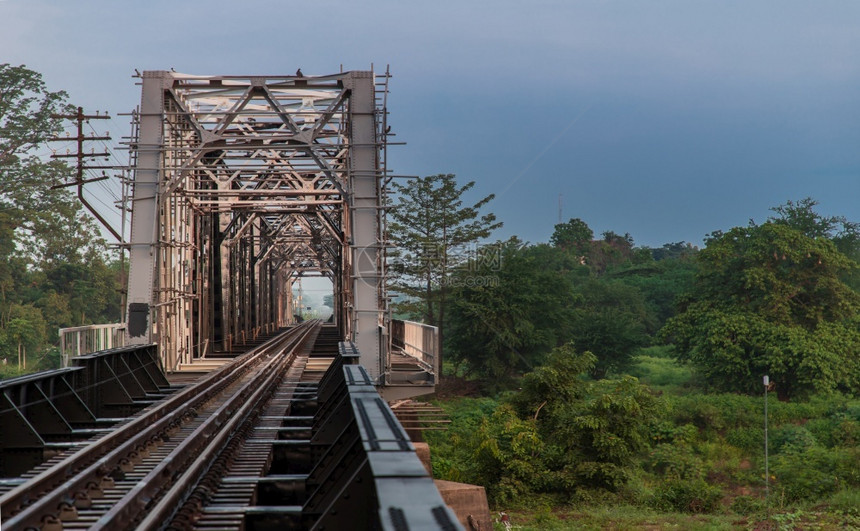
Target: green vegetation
(434,234)
(701,465)
(623,386)
(54,271)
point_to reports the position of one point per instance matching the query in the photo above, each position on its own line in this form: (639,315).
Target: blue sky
(664,119)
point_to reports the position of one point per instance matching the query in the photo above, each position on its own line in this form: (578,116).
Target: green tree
(612,251)
(801,215)
(435,234)
(563,434)
(505,318)
(53,269)
(575,235)
(23,334)
(661,283)
(611,323)
(770,299)
(675,250)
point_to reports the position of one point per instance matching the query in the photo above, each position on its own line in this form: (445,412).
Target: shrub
(675,462)
(847,433)
(746,438)
(846,501)
(718,412)
(791,438)
(688,496)
(508,459)
(747,505)
(667,432)
(815,472)
(659,371)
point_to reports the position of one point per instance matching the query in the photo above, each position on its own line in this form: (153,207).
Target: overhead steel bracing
(242,184)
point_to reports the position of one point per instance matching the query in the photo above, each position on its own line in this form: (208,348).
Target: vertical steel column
(144,230)
(364,208)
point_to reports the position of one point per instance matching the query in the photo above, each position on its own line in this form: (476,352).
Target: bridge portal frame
(241,185)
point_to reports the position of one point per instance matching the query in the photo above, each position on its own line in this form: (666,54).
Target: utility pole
(80,118)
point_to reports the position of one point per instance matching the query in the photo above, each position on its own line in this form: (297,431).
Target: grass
(617,517)
(630,517)
(11,371)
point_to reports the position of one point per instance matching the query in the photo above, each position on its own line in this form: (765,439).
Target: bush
(667,432)
(747,505)
(687,496)
(713,414)
(815,472)
(791,438)
(846,501)
(658,370)
(509,457)
(452,450)
(676,462)
(747,438)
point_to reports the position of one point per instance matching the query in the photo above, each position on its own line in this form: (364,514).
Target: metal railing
(367,474)
(417,340)
(81,340)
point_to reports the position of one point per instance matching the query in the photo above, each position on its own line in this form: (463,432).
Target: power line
(79,119)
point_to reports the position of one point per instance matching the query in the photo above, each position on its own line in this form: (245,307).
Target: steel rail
(50,492)
(206,442)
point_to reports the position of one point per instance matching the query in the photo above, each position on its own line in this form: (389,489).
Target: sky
(665,119)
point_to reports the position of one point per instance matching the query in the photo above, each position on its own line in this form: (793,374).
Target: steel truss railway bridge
(216,408)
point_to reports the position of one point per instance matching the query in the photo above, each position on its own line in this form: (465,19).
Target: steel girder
(241,185)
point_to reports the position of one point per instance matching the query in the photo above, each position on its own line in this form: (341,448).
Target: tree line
(777,298)
(55,269)
(551,331)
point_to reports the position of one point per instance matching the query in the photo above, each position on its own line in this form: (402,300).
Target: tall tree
(53,268)
(575,235)
(610,322)
(506,319)
(435,233)
(770,299)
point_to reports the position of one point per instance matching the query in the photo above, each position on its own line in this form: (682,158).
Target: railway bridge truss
(215,407)
(242,185)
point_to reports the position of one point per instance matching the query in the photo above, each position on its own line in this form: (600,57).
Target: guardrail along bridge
(212,406)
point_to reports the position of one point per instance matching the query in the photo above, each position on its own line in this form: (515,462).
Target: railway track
(155,468)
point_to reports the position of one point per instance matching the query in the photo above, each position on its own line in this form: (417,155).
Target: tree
(22,333)
(770,299)
(53,270)
(612,251)
(801,215)
(575,235)
(674,250)
(610,323)
(661,283)
(435,234)
(505,319)
(562,434)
